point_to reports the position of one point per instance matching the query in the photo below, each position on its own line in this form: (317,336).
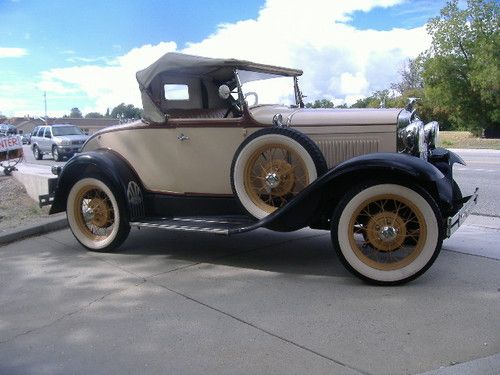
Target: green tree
(93,115)
(123,111)
(75,113)
(411,76)
(461,69)
(379,99)
(361,103)
(323,103)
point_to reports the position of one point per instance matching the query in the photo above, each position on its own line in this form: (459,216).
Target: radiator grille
(338,150)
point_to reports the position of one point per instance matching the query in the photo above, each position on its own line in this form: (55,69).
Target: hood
(320,116)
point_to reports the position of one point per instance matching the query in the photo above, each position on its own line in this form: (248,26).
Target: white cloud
(340,62)
(352,83)
(12,52)
(108,85)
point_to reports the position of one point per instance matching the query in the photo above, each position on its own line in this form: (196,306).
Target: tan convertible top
(196,65)
(180,64)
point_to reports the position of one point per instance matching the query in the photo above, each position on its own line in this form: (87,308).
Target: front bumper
(68,150)
(454,222)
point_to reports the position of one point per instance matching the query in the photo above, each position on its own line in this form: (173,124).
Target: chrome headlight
(411,139)
(65,142)
(431,131)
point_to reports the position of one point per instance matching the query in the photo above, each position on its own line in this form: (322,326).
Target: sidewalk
(262,302)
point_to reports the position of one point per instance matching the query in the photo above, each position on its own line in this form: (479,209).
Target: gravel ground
(16,207)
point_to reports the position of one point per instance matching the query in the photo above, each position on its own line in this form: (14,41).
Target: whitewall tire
(95,215)
(271,167)
(387,233)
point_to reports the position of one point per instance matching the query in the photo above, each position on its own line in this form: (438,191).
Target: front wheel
(96,216)
(36,153)
(387,233)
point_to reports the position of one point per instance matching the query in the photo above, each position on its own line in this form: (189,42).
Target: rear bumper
(454,222)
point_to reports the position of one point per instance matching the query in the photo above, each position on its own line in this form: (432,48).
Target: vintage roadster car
(226,146)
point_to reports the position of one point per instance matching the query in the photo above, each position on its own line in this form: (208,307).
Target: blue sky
(84,53)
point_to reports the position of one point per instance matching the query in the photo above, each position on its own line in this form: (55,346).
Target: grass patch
(460,139)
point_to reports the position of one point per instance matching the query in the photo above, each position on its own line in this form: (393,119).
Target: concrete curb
(34,178)
(482,366)
(48,225)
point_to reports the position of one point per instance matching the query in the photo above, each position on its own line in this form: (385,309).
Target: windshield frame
(297,93)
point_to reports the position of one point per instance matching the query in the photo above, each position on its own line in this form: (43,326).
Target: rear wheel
(387,233)
(55,154)
(96,216)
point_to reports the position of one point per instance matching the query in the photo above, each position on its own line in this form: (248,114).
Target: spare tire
(272,166)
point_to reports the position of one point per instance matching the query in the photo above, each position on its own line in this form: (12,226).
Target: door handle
(182,137)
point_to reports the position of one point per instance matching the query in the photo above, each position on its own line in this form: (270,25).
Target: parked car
(25,139)
(7,129)
(226,146)
(58,140)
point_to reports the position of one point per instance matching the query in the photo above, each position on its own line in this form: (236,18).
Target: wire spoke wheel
(273,175)
(271,167)
(96,216)
(387,232)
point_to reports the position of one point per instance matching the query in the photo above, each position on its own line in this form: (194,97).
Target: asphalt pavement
(260,302)
(256,303)
(483,171)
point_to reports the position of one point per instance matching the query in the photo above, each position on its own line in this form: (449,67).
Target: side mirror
(224,92)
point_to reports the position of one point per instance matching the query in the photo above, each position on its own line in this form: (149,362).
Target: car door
(33,134)
(206,148)
(206,137)
(47,140)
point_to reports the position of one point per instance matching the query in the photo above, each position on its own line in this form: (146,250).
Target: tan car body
(203,159)
(186,156)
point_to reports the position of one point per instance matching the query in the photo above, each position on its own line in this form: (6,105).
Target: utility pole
(45,101)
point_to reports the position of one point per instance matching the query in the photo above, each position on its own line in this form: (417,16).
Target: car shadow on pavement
(150,251)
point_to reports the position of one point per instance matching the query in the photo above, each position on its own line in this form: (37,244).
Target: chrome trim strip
(454,222)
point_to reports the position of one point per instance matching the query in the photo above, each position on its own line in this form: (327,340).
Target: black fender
(318,199)
(444,159)
(108,165)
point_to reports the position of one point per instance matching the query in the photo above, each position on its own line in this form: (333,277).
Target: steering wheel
(235,107)
(254,94)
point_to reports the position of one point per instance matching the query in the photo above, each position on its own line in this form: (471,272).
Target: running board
(223,225)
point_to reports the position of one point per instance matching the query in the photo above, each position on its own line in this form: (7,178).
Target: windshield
(66,130)
(264,88)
